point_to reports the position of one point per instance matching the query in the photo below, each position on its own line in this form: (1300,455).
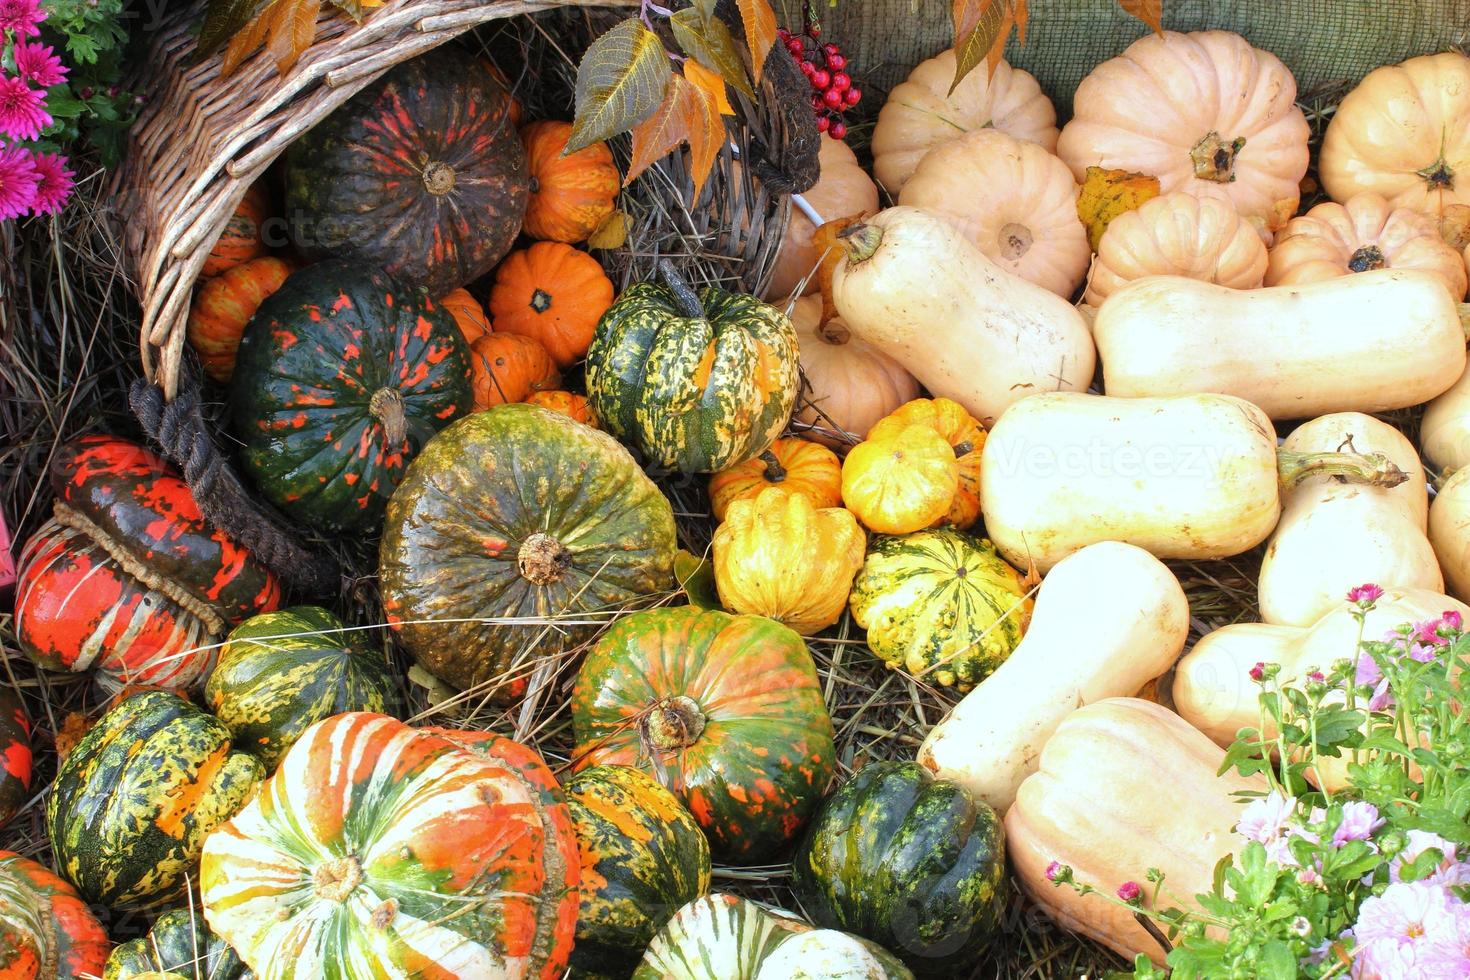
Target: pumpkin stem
(543,559)
(673,723)
(540,301)
(438,178)
(861,241)
(685,298)
(1438,174)
(834,333)
(1366,258)
(1014,240)
(1214,158)
(386,406)
(335,880)
(775,472)
(1374,469)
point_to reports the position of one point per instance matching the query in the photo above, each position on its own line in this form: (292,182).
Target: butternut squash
(1335,535)
(1124,785)
(1379,340)
(1444,433)
(1107,620)
(1192,476)
(911,285)
(1449,532)
(1213,690)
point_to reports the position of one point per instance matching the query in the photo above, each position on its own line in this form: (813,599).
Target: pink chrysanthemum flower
(1130,892)
(38,64)
(1452,620)
(18,180)
(1449,871)
(1359,821)
(54,185)
(1397,932)
(22,109)
(1366,594)
(1265,819)
(21,16)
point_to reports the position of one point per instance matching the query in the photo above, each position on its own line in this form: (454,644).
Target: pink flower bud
(1130,892)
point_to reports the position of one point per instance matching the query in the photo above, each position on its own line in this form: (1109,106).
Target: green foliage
(90,107)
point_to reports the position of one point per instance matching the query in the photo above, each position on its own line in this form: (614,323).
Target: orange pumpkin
(508,367)
(224,305)
(806,468)
(843,188)
(468,313)
(849,384)
(573,406)
(964,434)
(242,239)
(552,293)
(571,194)
(500,76)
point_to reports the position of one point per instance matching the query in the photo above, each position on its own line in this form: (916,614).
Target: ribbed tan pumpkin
(842,190)
(1205,113)
(921,113)
(1124,785)
(1015,201)
(1366,233)
(1178,234)
(1402,134)
(849,384)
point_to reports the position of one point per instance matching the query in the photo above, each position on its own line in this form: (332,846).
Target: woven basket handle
(178,426)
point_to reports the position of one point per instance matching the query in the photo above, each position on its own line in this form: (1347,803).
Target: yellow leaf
(612,233)
(1151,12)
(620,82)
(711,84)
(981,29)
(285,27)
(1106,194)
(293,31)
(661,132)
(706,131)
(760,32)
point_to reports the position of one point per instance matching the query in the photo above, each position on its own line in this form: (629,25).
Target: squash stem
(685,298)
(775,472)
(673,723)
(861,241)
(386,406)
(1374,469)
(1214,157)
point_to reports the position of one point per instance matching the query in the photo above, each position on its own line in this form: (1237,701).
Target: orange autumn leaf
(1151,12)
(760,32)
(706,132)
(688,115)
(660,133)
(1106,194)
(827,239)
(710,84)
(285,28)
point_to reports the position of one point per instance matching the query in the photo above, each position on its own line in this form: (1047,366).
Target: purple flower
(1365,594)
(1368,673)
(1400,933)
(1359,821)
(18,179)
(1130,892)
(21,16)
(54,183)
(22,109)
(1054,871)
(1449,871)
(38,64)
(1265,819)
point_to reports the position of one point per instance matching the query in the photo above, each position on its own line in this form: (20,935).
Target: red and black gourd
(421,173)
(911,862)
(342,375)
(47,932)
(128,577)
(15,755)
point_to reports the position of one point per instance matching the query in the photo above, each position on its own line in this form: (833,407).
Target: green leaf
(62,104)
(706,39)
(989,30)
(620,83)
(696,576)
(1277,961)
(1217,880)
(223,19)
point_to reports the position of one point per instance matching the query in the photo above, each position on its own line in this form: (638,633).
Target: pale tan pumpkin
(1178,234)
(1015,201)
(1366,233)
(1205,113)
(1454,228)
(921,113)
(1402,133)
(850,384)
(843,189)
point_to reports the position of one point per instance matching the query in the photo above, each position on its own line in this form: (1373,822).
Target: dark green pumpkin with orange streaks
(726,711)
(697,390)
(421,173)
(132,803)
(518,513)
(342,375)
(643,857)
(179,943)
(911,862)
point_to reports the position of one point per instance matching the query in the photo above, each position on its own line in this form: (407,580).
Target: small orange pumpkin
(573,406)
(508,367)
(497,73)
(242,239)
(905,480)
(803,467)
(224,305)
(552,293)
(572,194)
(468,313)
(964,435)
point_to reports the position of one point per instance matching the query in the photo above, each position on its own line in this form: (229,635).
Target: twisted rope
(178,426)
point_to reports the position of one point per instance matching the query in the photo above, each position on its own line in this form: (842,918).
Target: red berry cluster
(824,66)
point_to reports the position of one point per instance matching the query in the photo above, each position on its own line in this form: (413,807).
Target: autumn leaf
(1151,12)
(661,132)
(706,39)
(981,29)
(620,82)
(696,576)
(1106,194)
(711,84)
(760,32)
(286,28)
(687,115)
(827,239)
(706,132)
(612,233)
